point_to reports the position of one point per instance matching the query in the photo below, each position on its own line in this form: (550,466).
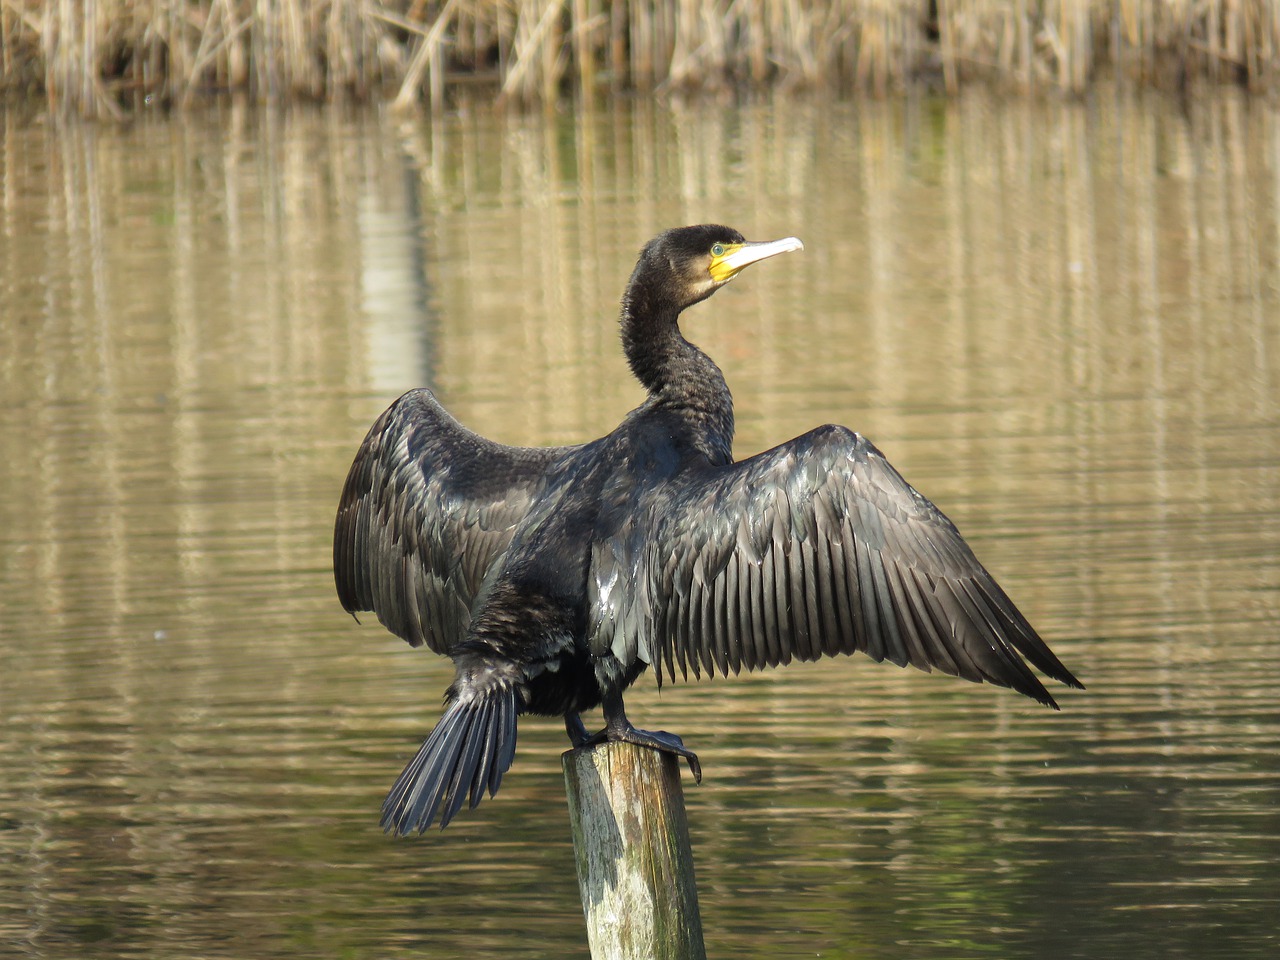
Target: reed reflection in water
(1057,320)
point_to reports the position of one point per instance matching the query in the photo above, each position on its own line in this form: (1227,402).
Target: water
(1057,319)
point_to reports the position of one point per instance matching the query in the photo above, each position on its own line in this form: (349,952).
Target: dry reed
(104,57)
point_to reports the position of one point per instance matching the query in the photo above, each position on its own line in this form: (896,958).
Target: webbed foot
(618,730)
(658,740)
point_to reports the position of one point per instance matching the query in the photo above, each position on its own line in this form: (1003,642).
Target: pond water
(1058,320)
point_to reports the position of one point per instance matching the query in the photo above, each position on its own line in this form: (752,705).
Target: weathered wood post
(631,842)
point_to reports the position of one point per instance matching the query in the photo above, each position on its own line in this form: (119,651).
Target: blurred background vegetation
(109,57)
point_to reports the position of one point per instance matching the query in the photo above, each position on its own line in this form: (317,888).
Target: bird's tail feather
(468,752)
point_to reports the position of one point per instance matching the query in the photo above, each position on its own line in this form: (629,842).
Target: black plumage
(553,577)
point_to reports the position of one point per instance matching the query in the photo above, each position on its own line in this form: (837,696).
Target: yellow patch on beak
(728,259)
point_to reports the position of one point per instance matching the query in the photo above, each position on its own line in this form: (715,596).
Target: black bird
(554,576)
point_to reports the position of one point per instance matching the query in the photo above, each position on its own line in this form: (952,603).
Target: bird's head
(688,264)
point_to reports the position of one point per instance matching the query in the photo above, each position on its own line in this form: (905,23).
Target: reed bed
(101,57)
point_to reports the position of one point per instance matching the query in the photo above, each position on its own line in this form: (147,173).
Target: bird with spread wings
(553,577)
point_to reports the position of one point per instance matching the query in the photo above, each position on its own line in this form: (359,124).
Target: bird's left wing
(427,508)
(819,547)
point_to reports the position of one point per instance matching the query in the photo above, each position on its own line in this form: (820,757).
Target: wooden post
(631,842)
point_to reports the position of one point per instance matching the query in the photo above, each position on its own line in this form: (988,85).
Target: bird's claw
(658,740)
(671,743)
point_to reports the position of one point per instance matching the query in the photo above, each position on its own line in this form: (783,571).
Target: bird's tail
(469,750)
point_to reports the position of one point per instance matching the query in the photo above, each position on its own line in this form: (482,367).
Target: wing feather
(921,648)
(819,547)
(427,508)
(870,612)
(727,590)
(799,601)
(751,596)
(702,629)
(779,635)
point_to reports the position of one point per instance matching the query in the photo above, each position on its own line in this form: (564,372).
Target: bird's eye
(717,249)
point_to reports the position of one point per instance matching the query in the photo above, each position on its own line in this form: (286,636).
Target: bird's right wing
(427,508)
(819,547)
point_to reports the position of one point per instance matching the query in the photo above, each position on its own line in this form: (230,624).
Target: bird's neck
(680,378)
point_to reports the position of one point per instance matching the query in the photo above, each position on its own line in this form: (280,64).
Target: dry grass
(104,57)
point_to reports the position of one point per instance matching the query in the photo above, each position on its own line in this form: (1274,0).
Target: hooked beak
(736,256)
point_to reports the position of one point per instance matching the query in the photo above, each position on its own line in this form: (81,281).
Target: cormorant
(554,576)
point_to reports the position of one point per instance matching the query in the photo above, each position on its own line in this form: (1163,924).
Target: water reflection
(1056,319)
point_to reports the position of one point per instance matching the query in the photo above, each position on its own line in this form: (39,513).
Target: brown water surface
(1059,321)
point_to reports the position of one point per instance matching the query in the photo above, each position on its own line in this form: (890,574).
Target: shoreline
(111,58)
